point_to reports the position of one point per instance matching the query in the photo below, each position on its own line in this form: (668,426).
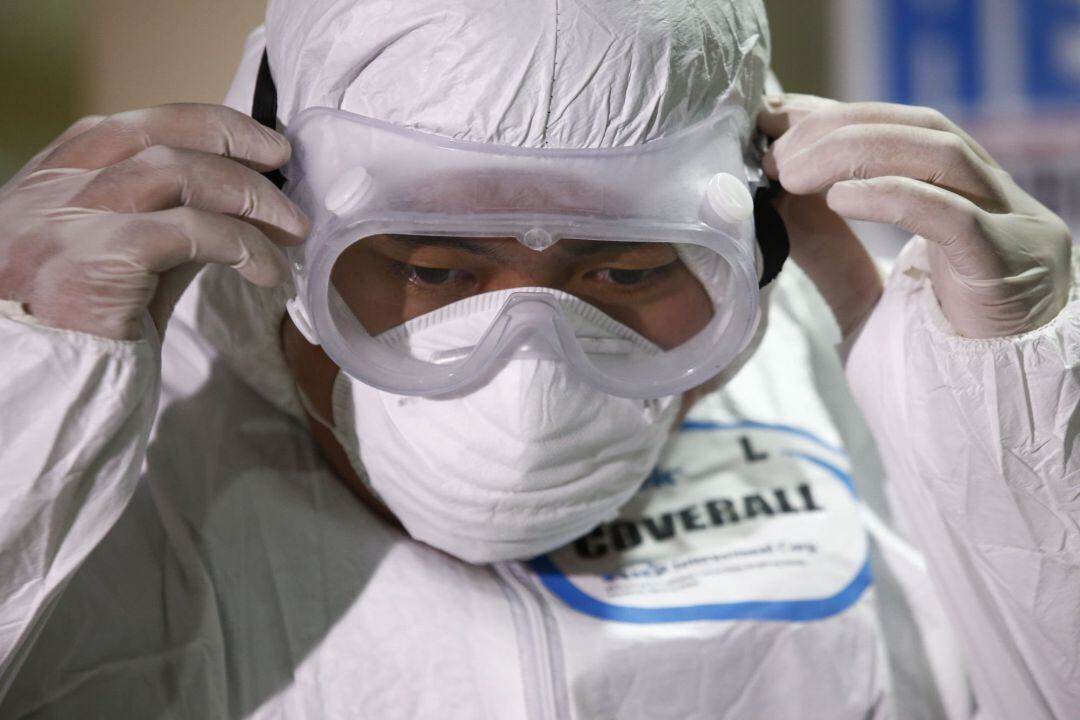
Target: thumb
(170,287)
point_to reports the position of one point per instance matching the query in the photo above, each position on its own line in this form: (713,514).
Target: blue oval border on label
(785,610)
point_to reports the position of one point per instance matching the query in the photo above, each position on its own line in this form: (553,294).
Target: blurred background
(1008,70)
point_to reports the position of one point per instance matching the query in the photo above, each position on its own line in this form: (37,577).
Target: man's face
(389,279)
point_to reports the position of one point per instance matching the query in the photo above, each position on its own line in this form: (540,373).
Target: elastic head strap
(772,235)
(264,109)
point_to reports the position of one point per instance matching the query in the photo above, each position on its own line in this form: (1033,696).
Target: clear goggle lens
(635,265)
(627,314)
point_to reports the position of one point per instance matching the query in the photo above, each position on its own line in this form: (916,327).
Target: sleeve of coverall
(77,411)
(981,441)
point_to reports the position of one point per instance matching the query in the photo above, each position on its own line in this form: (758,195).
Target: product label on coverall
(740,521)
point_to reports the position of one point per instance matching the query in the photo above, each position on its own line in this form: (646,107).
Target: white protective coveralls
(173,546)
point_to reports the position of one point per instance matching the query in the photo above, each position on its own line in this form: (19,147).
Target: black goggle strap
(264,109)
(772,235)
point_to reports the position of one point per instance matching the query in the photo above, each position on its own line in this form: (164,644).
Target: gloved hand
(118,214)
(999,261)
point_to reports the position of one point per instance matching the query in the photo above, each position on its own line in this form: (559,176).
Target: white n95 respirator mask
(526,463)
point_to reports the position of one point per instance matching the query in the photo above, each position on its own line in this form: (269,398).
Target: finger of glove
(162,177)
(862,152)
(780,113)
(77,128)
(213,129)
(171,285)
(187,235)
(952,222)
(829,118)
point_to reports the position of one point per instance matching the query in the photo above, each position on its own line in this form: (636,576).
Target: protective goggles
(366,182)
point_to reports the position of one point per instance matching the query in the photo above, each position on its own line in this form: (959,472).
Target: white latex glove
(999,260)
(118,214)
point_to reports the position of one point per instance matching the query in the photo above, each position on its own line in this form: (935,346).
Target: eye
(421,275)
(627,278)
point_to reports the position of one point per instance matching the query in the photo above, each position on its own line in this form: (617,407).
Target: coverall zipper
(538,644)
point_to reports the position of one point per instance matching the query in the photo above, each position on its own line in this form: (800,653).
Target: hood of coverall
(567,74)
(564,74)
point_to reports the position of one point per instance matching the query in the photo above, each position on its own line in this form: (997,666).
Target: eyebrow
(595,247)
(489,250)
(455,243)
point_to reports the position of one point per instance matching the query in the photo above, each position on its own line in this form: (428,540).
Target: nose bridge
(529,307)
(532,326)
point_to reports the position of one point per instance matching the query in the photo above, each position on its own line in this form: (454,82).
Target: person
(867,509)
